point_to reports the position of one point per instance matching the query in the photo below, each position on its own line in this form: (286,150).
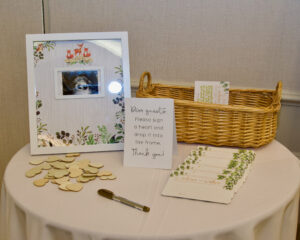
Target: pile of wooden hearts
(62,169)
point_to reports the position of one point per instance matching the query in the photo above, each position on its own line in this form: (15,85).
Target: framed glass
(77,83)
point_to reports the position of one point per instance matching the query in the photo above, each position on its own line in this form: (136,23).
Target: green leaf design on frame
(104,135)
(41,127)
(119,70)
(82,135)
(119,128)
(91,140)
(38,104)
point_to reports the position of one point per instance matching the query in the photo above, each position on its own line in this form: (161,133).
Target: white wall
(17,18)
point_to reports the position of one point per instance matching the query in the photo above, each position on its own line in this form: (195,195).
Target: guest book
(210,174)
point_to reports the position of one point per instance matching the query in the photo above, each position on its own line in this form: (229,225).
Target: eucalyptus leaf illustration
(82,135)
(104,135)
(236,168)
(38,104)
(41,128)
(91,140)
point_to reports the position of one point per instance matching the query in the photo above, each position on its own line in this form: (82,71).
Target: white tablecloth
(266,206)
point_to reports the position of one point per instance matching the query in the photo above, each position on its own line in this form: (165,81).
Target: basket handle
(141,85)
(278,91)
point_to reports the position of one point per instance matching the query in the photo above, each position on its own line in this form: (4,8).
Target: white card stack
(211,92)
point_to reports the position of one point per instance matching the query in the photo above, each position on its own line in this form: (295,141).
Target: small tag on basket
(150,133)
(211,92)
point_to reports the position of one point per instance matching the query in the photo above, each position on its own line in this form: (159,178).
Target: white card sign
(211,92)
(149,132)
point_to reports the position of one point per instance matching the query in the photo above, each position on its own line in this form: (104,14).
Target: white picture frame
(65,117)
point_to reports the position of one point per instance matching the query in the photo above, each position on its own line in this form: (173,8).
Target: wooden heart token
(72,154)
(75,172)
(96,165)
(36,161)
(67,159)
(83,163)
(104,173)
(40,182)
(59,173)
(89,175)
(33,172)
(45,166)
(58,165)
(73,164)
(74,187)
(111,177)
(60,180)
(85,179)
(90,170)
(64,185)
(52,158)
(49,176)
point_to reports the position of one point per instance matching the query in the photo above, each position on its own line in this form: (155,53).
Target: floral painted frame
(72,106)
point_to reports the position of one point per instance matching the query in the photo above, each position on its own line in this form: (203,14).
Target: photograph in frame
(77,84)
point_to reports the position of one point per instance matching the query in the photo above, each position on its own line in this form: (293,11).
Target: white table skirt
(266,206)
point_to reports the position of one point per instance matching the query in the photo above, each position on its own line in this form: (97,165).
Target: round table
(265,207)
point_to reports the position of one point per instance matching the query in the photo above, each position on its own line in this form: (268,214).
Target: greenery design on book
(236,168)
(231,175)
(191,160)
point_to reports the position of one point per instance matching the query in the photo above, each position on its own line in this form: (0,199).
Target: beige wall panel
(251,43)
(16,19)
(289,130)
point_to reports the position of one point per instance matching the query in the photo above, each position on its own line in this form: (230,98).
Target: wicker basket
(250,119)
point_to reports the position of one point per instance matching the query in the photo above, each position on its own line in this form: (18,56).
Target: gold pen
(110,195)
